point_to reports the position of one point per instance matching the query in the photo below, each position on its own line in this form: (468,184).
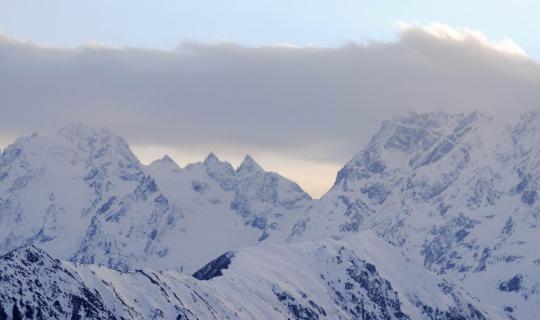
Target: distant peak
(421,119)
(78,132)
(434,119)
(165,161)
(100,142)
(249,165)
(76,129)
(210,159)
(166,158)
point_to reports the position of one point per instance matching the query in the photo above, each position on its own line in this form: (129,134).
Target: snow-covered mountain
(83,196)
(265,201)
(355,278)
(225,208)
(457,193)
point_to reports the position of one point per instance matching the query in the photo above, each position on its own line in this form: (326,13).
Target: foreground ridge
(312,280)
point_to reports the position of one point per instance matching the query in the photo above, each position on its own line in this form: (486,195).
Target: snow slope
(83,196)
(457,193)
(227,207)
(355,278)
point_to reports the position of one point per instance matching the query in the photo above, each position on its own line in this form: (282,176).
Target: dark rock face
(362,292)
(213,268)
(512,285)
(440,251)
(453,314)
(405,138)
(32,288)
(377,192)
(36,286)
(528,197)
(305,309)
(200,187)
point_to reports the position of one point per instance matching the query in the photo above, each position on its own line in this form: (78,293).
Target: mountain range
(436,218)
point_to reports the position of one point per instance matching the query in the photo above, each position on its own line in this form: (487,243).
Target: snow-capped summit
(409,142)
(249,165)
(211,159)
(221,171)
(98,143)
(165,163)
(85,189)
(456,193)
(236,207)
(82,195)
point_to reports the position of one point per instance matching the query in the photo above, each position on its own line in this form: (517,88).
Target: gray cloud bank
(310,102)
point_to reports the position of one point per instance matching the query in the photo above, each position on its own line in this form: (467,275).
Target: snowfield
(360,277)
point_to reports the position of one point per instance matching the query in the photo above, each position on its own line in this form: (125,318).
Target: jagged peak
(74,133)
(21,141)
(211,159)
(221,171)
(14,150)
(421,138)
(432,119)
(80,130)
(427,119)
(437,123)
(249,165)
(165,161)
(526,120)
(530,115)
(214,165)
(167,158)
(87,138)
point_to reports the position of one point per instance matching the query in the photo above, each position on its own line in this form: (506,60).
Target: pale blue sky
(165,23)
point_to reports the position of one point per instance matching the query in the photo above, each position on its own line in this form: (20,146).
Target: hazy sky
(301,85)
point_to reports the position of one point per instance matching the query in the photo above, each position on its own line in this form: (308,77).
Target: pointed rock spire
(165,161)
(249,165)
(166,158)
(221,171)
(211,159)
